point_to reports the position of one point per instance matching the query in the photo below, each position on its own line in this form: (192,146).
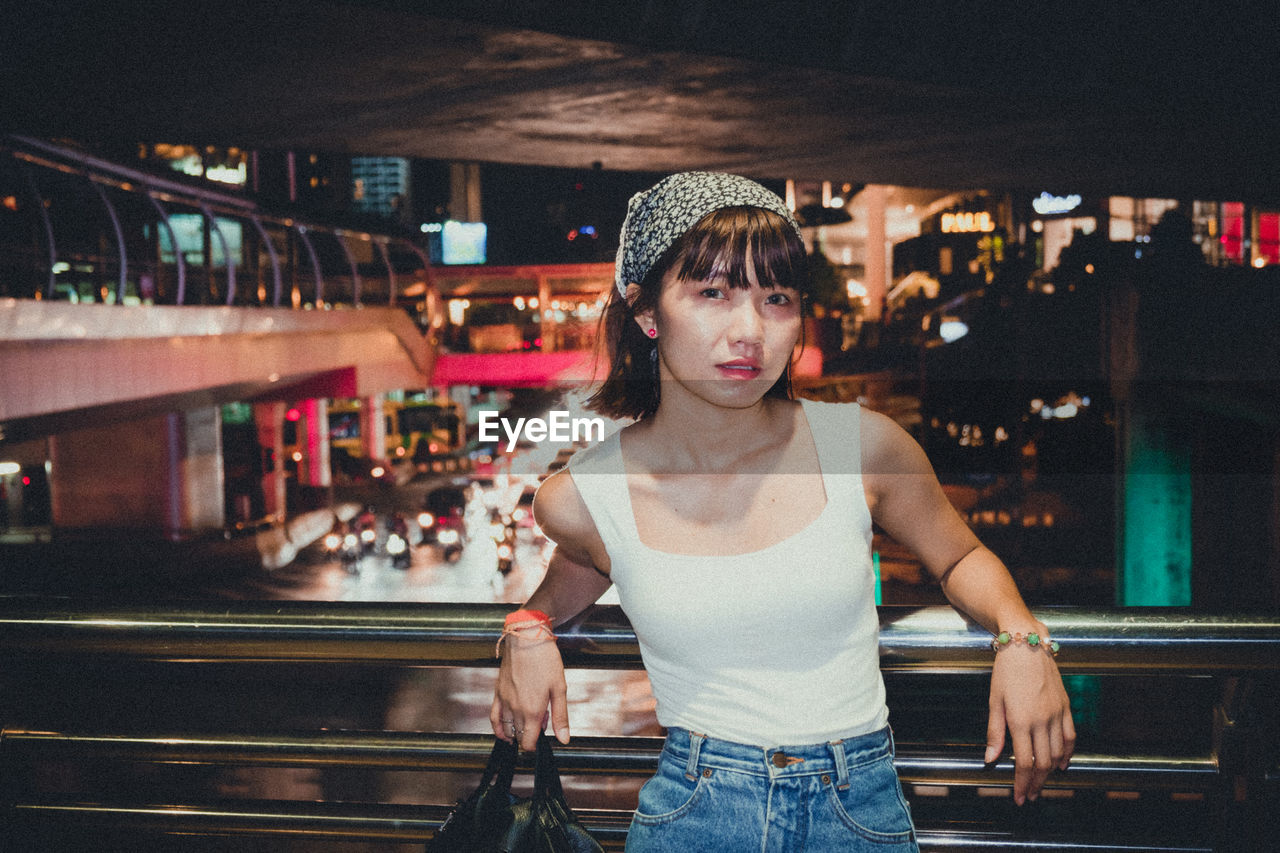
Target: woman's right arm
(531,675)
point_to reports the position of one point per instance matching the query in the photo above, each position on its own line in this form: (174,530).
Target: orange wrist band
(521,620)
(527,616)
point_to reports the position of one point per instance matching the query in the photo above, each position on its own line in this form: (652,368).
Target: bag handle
(478,811)
(546,777)
(502,764)
(558,829)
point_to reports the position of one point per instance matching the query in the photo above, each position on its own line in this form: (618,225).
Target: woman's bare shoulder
(887,448)
(559,510)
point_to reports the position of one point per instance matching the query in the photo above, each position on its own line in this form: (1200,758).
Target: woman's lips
(739,369)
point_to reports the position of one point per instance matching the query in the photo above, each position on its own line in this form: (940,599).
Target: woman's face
(724,345)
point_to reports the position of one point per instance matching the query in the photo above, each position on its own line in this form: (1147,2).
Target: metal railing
(1240,652)
(286,245)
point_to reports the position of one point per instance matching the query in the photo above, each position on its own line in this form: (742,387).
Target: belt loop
(695,747)
(842,765)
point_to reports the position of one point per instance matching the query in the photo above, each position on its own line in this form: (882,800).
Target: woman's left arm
(1027,696)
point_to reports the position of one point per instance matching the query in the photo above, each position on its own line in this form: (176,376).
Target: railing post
(123,284)
(1247,745)
(423,258)
(274,258)
(351,262)
(315,263)
(50,290)
(226,252)
(179,258)
(9,782)
(391,272)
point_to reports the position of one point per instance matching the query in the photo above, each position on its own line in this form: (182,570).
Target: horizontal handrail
(922,639)
(88,164)
(917,763)
(913,639)
(414,823)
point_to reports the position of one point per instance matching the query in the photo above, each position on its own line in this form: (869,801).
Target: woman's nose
(747,324)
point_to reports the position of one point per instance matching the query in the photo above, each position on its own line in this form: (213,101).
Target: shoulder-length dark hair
(720,242)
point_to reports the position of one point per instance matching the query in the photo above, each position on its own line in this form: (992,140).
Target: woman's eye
(712,292)
(778,299)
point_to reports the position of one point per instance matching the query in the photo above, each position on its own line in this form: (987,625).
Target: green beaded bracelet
(1034,640)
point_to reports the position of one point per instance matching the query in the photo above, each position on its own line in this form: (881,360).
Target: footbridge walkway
(133,306)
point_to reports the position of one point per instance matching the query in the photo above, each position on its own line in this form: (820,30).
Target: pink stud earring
(653,333)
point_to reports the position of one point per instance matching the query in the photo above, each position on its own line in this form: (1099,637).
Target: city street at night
(916,364)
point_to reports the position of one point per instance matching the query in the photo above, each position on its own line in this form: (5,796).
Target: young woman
(736,523)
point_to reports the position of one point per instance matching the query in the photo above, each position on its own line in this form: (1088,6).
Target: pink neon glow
(809,364)
(541,369)
(526,369)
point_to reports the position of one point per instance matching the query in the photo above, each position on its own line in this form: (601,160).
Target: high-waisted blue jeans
(713,796)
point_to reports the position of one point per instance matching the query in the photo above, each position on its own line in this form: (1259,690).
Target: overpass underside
(73,366)
(130,396)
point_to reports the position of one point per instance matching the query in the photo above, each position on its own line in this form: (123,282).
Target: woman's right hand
(530,680)
(531,677)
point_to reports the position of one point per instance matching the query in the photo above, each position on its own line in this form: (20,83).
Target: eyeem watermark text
(558,426)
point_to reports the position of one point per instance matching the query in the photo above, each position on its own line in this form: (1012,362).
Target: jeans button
(779,759)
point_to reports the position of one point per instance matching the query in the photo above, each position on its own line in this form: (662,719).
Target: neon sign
(1047,205)
(967,223)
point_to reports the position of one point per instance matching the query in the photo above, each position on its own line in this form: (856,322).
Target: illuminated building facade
(380,185)
(229,166)
(1227,233)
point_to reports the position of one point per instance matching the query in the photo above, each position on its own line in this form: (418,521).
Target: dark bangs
(724,240)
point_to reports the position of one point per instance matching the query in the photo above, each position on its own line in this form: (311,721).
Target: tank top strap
(836,429)
(601,480)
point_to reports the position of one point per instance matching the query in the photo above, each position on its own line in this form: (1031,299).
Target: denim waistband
(697,752)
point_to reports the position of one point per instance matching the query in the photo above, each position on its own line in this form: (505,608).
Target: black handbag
(493,820)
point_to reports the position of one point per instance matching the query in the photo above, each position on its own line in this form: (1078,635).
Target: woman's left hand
(1027,698)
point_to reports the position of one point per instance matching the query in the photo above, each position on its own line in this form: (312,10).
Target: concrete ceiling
(1156,99)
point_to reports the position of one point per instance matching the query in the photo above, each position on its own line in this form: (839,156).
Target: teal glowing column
(1154,533)
(875,563)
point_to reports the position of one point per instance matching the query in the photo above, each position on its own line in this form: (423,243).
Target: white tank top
(775,647)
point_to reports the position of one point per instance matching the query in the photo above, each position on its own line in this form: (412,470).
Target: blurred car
(441,518)
(356,469)
(431,458)
(486,458)
(522,515)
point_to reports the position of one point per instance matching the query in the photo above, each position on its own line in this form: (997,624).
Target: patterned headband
(656,218)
